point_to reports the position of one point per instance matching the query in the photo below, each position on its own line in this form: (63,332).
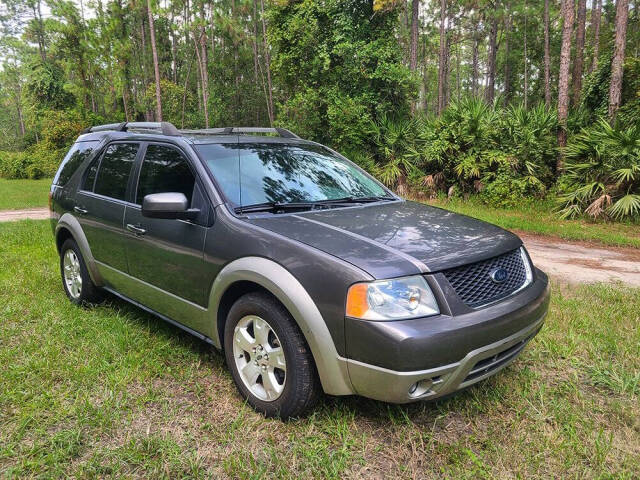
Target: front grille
(474,284)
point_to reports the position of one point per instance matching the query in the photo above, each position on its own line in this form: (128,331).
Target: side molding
(71,223)
(281,283)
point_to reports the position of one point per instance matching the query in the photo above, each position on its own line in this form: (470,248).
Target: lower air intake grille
(489,280)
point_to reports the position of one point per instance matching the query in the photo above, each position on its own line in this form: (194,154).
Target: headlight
(395,299)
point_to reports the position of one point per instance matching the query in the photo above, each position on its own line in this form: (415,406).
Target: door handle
(82,211)
(136,229)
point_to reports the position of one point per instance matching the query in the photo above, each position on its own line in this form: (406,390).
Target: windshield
(251,174)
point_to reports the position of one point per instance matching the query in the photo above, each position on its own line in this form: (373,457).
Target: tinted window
(90,176)
(74,158)
(164,170)
(114,170)
(260,173)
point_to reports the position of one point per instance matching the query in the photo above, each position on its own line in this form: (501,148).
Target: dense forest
(505,100)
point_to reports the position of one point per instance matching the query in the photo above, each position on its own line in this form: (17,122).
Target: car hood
(392,239)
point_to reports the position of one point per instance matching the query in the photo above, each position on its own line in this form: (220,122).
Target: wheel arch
(69,227)
(257,273)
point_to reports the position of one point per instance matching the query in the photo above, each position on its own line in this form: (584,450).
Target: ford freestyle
(304,270)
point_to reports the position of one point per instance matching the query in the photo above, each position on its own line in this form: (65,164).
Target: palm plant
(394,143)
(529,137)
(603,170)
(462,143)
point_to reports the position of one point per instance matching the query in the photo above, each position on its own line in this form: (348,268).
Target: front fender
(286,288)
(71,223)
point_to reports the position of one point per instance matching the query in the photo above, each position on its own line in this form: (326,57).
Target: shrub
(13,165)
(394,145)
(38,161)
(603,172)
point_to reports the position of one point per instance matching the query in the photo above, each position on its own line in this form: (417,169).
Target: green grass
(113,391)
(539,218)
(16,194)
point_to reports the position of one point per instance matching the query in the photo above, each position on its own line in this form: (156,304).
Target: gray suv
(304,270)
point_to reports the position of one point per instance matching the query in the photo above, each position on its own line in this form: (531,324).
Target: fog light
(420,388)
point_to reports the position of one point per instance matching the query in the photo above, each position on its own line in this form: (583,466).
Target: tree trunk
(413,50)
(595,22)
(184,91)
(563,77)
(254,45)
(474,63)
(507,63)
(576,80)
(19,108)
(615,90)
(37,14)
(447,70)
(547,57)
(267,59)
(442,64)
(156,67)
(204,80)
(458,80)
(526,58)
(491,60)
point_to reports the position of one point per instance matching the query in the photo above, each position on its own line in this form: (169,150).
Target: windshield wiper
(286,206)
(375,198)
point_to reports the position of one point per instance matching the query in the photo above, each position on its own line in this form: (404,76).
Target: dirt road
(579,262)
(32,213)
(575,262)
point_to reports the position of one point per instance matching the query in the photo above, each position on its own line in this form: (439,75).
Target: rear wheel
(269,359)
(76,281)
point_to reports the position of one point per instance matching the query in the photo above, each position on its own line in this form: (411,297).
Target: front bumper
(481,360)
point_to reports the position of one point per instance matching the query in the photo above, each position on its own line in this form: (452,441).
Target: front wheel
(269,359)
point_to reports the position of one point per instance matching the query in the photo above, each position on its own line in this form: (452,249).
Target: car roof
(191,139)
(166,132)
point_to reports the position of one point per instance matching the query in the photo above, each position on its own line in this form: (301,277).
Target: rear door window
(114,170)
(78,153)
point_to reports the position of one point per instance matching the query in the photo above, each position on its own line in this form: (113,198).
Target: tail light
(50,201)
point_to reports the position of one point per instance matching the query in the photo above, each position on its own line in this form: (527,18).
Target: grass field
(15,194)
(540,218)
(113,391)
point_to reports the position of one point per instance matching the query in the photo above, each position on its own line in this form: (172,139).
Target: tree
(596,13)
(576,80)
(442,64)
(563,75)
(267,59)
(413,56)
(491,58)
(615,91)
(507,63)
(547,57)
(156,67)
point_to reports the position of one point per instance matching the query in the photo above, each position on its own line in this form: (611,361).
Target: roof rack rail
(165,128)
(282,132)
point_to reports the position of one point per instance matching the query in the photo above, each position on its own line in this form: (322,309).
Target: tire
(298,383)
(82,290)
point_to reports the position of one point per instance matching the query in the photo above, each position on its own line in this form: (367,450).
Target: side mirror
(171,205)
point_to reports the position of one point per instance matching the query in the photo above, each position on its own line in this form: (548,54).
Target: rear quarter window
(77,154)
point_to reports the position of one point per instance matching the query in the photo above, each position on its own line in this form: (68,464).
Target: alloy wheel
(259,358)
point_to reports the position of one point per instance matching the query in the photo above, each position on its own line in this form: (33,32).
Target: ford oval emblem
(499,275)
